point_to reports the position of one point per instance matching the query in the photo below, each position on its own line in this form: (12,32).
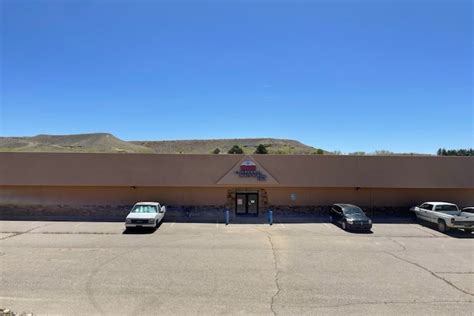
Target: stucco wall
(50,195)
(368,197)
(53,195)
(150,170)
(101,183)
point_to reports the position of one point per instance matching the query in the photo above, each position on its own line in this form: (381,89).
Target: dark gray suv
(350,217)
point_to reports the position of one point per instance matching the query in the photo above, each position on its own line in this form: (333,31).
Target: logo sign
(249,169)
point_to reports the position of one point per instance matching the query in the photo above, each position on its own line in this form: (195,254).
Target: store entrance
(246,204)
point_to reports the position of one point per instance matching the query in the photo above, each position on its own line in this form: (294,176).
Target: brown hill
(274,146)
(99,143)
(107,143)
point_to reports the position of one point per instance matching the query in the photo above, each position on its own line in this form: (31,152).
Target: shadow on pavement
(142,230)
(455,233)
(353,231)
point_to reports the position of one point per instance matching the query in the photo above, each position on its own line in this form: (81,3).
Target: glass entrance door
(246,204)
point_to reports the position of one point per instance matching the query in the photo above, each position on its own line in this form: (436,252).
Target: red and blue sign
(249,169)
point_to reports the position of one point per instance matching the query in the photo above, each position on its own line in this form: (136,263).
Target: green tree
(236,150)
(319,151)
(261,149)
(216,151)
(455,152)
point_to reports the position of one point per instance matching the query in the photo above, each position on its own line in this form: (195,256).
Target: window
(427,206)
(144,209)
(353,210)
(446,208)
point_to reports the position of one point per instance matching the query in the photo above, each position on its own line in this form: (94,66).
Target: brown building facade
(195,185)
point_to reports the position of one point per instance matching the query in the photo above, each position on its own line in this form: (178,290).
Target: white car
(445,215)
(468,209)
(145,214)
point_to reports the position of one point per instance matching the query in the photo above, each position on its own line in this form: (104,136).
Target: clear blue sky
(340,75)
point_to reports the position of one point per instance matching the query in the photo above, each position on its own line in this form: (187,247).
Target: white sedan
(145,214)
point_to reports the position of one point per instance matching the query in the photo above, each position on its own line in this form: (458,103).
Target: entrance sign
(247,172)
(249,169)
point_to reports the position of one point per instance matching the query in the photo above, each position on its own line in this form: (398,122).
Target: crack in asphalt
(404,248)
(276,276)
(431,272)
(14,234)
(277,271)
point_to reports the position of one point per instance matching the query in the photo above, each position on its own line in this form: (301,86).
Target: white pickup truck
(445,215)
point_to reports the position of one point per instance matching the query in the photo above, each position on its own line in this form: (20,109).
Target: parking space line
(329,226)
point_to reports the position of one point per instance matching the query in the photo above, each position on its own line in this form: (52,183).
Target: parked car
(145,214)
(445,215)
(350,217)
(468,209)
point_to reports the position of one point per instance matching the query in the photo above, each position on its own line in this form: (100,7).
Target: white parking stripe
(329,226)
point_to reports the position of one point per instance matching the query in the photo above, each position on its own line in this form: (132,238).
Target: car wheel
(344,225)
(442,226)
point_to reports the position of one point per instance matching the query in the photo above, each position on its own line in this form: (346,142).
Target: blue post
(227,217)
(270,217)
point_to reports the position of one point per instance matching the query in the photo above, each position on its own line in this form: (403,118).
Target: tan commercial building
(202,186)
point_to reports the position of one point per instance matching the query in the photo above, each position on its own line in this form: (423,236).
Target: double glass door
(246,204)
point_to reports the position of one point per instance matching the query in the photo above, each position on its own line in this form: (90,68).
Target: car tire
(344,225)
(442,226)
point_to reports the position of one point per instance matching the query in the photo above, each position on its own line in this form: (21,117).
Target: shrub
(216,151)
(236,150)
(261,149)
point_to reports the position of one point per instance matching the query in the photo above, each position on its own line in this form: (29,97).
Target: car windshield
(353,210)
(144,209)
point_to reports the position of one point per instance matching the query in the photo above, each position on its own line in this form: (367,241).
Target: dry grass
(107,143)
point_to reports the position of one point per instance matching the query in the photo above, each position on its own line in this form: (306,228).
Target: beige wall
(368,197)
(117,179)
(152,170)
(50,195)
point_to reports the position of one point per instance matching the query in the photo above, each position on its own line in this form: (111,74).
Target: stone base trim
(182,213)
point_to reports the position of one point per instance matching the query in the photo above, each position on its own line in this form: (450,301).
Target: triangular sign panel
(247,172)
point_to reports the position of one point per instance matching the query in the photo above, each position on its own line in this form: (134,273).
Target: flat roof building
(203,185)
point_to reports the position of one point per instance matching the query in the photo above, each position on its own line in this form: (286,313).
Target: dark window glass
(446,208)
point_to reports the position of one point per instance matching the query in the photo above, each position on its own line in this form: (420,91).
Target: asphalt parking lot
(184,268)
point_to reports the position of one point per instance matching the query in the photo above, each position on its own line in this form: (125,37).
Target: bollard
(270,217)
(227,217)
